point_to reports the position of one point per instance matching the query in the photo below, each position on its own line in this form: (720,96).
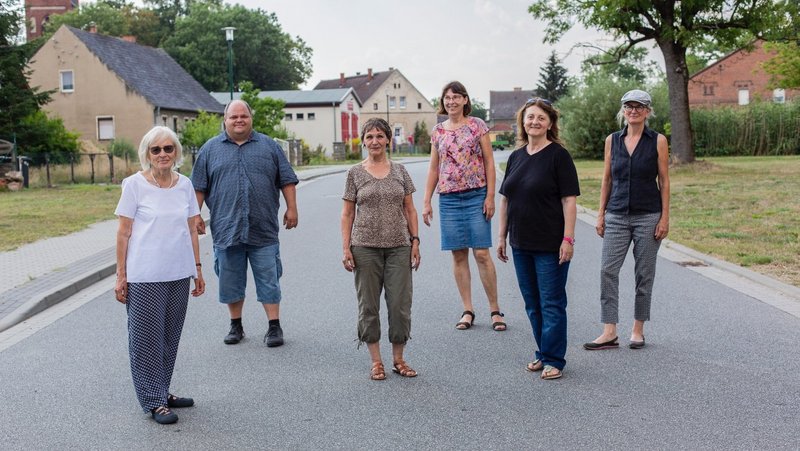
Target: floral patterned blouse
(460,156)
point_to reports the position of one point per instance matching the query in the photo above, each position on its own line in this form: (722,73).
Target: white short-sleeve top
(160,246)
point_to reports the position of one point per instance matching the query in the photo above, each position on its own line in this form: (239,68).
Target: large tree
(553,81)
(113,18)
(785,66)
(262,52)
(675,26)
(17,99)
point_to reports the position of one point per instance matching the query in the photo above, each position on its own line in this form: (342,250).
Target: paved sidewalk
(39,275)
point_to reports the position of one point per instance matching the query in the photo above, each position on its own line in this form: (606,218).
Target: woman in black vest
(634,208)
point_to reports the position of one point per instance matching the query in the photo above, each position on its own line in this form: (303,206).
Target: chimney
(341,79)
(517,89)
(391,69)
(129,38)
(369,74)
(92,27)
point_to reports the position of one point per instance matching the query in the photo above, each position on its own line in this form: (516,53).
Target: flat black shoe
(637,344)
(274,336)
(610,344)
(177,401)
(235,335)
(163,415)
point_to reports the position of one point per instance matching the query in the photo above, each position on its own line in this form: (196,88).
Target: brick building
(37,12)
(737,79)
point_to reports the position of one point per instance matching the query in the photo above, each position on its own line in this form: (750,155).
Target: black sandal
(497,324)
(466,325)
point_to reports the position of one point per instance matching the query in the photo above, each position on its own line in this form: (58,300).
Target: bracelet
(570,240)
(199,265)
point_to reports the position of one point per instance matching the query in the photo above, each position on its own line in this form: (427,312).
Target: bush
(38,135)
(122,148)
(761,128)
(204,127)
(589,113)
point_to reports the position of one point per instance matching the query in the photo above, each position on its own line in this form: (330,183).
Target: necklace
(153,176)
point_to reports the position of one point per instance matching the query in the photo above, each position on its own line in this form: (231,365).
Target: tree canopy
(190,31)
(553,81)
(674,26)
(262,52)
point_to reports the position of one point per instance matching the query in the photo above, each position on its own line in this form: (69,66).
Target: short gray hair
(158,133)
(247,105)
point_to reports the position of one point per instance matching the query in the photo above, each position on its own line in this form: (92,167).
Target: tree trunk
(681,139)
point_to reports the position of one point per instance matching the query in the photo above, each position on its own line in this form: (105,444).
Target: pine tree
(553,81)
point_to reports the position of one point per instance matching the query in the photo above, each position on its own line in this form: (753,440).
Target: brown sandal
(535,366)
(377,373)
(402,368)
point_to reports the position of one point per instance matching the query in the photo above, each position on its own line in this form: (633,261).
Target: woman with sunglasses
(634,208)
(462,172)
(537,213)
(157,257)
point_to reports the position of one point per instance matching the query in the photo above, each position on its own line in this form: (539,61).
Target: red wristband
(569,240)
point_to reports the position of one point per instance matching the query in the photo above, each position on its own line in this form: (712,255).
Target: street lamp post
(229,37)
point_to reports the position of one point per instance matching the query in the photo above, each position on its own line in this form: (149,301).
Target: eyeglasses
(637,108)
(453,97)
(155,150)
(533,100)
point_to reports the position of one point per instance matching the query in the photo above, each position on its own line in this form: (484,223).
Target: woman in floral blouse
(462,172)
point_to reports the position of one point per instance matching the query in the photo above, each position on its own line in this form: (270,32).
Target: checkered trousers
(156,311)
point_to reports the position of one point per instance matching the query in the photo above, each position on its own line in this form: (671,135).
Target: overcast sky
(487,45)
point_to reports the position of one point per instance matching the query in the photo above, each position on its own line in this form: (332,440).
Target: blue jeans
(542,282)
(230,264)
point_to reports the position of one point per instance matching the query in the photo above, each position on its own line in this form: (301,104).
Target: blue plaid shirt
(242,188)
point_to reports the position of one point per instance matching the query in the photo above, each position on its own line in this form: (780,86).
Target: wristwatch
(414,238)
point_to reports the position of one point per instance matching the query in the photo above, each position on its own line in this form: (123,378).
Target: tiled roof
(296,98)
(503,105)
(362,84)
(150,72)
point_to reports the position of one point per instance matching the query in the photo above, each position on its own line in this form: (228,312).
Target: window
(299,116)
(67,81)
(174,123)
(164,121)
(402,101)
(375,106)
(33,25)
(312,116)
(779,96)
(708,90)
(105,128)
(744,96)
(419,106)
(392,102)
(287,117)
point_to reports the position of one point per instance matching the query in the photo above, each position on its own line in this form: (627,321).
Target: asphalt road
(720,371)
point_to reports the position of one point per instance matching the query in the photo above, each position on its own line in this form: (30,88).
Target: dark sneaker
(177,401)
(163,415)
(235,335)
(274,336)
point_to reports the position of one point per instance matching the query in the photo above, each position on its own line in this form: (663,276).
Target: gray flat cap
(637,95)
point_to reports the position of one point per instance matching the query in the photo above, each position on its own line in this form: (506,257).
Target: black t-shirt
(534,186)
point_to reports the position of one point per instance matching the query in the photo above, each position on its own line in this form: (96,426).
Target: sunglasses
(155,150)
(533,100)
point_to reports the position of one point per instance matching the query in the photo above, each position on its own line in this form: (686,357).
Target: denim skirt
(462,222)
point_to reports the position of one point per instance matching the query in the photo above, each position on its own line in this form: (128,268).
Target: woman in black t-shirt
(537,213)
